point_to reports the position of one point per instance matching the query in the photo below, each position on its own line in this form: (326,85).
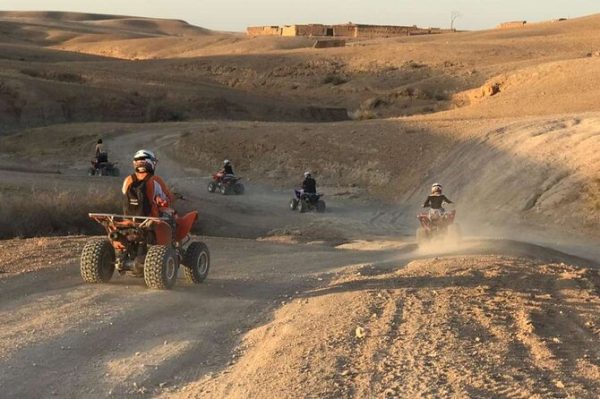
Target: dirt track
(67,339)
(335,305)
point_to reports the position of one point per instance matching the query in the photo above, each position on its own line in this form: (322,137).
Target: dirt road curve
(61,338)
(280,314)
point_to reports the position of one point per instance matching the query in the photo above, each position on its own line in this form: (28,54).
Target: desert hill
(339,304)
(237,76)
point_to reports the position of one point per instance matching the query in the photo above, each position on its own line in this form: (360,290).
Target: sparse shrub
(414,65)
(55,211)
(68,77)
(335,79)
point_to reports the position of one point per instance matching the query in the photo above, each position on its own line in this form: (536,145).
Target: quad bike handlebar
(112,218)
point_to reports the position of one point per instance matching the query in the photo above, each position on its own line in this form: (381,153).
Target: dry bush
(67,77)
(55,211)
(334,79)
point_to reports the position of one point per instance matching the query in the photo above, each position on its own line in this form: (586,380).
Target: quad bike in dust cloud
(225,184)
(305,202)
(150,247)
(102,167)
(437,225)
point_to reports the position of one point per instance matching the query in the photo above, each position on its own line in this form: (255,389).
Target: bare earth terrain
(341,304)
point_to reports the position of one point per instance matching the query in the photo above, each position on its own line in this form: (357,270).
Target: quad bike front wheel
(303,206)
(320,206)
(293,204)
(212,187)
(239,188)
(196,262)
(97,263)
(160,267)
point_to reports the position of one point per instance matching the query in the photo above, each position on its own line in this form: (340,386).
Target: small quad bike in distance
(101,166)
(225,184)
(437,225)
(305,202)
(148,247)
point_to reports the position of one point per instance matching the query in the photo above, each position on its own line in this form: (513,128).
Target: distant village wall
(311,30)
(263,31)
(289,30)
(373,31)
(345,30)
(349,30)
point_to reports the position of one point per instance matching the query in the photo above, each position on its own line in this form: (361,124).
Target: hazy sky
(237,14)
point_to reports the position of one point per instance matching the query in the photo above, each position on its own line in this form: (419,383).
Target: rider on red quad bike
(149,240)
(435,201)
(227,169)
(225,181)
(437,222)
(145,192)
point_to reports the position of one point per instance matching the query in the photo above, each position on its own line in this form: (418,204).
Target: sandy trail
(67,339)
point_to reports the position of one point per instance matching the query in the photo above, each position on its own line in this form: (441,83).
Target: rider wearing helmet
(227,168)
(309,185)
(436,199)
(145,193)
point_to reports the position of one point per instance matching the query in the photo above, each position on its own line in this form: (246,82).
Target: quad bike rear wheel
(212,187)
(91,172)
(196,262)
(320,206)
(293,204)
(224,190)
(160,267)
(239,188)
(97,264)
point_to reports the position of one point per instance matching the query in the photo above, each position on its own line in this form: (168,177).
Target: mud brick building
(348,30)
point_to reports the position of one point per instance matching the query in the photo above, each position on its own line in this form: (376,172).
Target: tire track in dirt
(476,326)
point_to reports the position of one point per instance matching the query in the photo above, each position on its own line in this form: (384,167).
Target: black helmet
(99,141)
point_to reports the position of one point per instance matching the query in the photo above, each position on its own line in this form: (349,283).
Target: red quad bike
(149,247)
(226,184)
(437,226)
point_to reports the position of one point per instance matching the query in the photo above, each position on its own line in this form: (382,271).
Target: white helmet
(307,173)
(149,164)
(225,162)
(436,188)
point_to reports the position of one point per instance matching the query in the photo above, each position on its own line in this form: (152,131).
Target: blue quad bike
(305,202)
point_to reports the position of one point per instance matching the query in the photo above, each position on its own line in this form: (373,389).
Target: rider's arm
(165,189)
(447,200)
(126,184)
(427,203)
